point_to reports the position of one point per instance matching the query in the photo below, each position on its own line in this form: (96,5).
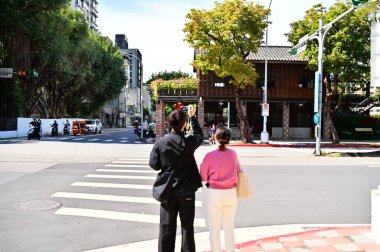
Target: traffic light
(358,2)
(30,73)
(33,73)
(21,73)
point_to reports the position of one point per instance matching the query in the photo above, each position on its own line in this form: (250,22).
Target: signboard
(6,72)
(265,109)
(303,44)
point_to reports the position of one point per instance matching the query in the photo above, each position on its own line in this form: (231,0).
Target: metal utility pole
(264,135)
(320,35)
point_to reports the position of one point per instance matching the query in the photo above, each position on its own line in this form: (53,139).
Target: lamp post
(264,135)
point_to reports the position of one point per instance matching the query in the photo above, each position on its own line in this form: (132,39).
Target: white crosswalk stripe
(104,185)
(117,198)
(127,165)
(115,215)
(125,171)
(119,176)
(112,185)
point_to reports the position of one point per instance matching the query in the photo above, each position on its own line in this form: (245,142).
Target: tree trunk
(244,125)
(330,131)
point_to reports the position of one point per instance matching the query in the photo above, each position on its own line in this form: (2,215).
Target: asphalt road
(102,192)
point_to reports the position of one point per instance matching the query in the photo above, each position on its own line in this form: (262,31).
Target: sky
(155,27)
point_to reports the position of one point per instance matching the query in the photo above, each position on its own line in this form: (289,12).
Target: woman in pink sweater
(219,170)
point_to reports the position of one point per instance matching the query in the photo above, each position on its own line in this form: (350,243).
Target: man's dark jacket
(176,151)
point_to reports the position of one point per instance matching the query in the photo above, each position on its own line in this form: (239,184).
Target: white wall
(23,126)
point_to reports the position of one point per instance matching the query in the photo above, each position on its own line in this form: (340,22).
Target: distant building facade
(89,9)
(135,81)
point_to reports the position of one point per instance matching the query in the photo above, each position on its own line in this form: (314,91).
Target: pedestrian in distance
(176,151)
(219,170)
(213,131)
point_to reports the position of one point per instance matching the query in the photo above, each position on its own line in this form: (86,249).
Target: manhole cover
(38,205)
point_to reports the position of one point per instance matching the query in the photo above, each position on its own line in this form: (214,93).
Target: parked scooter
(34,131)
(54,128)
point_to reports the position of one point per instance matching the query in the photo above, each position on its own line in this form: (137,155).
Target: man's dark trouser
(185,206)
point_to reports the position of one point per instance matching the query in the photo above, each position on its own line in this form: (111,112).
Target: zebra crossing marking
(119,177)
(93,139)
(117,198)
(127,165)
(129,162)
(112,185)
(114,215)
(126,171)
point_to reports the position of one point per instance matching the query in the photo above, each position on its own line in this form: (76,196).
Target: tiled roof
(275,54)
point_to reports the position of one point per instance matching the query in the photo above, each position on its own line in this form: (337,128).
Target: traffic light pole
(321,35)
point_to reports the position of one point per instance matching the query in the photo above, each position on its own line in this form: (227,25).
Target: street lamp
(264,135)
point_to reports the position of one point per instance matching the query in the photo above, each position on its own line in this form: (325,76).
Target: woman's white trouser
(221,207)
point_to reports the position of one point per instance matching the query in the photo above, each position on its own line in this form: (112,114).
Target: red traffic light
(21,73)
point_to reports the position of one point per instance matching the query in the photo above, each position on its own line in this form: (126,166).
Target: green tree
(346,52)
(79,70)
(226,35)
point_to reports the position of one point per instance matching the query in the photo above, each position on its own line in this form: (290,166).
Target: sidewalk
(293,238)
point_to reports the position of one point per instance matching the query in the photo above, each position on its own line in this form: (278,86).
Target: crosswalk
(91,139)
(129,179)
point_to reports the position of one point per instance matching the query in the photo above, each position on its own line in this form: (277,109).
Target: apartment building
(90,10)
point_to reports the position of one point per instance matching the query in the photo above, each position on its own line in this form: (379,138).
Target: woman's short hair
(223,136)
(177,119)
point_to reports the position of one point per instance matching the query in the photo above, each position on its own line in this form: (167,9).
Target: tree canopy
(225,36)
(346,50)
(79,70)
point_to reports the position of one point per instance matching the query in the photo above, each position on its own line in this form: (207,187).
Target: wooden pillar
(244,109)
(201,111)
(285,120)
(160,118)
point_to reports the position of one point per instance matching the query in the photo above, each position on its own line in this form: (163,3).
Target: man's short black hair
(177,119)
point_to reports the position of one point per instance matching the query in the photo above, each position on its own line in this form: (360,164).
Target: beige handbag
(243,187)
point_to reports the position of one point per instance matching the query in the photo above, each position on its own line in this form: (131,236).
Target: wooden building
(290,96)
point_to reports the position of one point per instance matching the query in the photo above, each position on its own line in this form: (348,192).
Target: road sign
(300,47)
(6,72)
(316,118)
(265,109)
(303,44)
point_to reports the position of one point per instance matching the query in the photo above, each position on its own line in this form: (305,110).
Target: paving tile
(324,249)
(299,250)
(338,240)
(294,244)
(328,233)
(271,246)
(360,238)
(368,245)
(252,248)
(315,243)
(348,232)
(347,248)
